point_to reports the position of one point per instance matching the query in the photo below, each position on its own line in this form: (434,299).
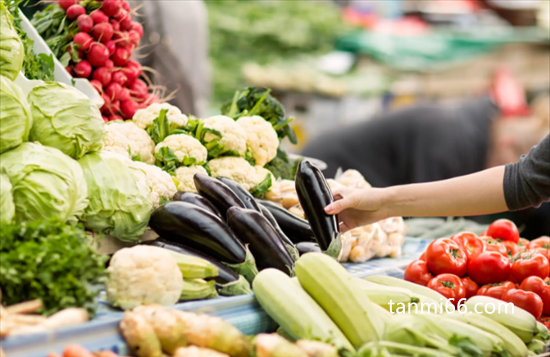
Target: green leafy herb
(249,157)
(166,159)
(161,127)
(282,167)
(52,261)
(263,187)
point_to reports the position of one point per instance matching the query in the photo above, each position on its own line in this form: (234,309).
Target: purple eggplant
(290,247)
(241,192)
(197,200)
(308,247)
(217,192)
(254,229)
(296,229)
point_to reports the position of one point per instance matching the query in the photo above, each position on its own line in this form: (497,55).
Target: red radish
(113,90)
(75,11)
(65,4)
(119,77)
(85,23)
(115,117)
(109,64)
(136,26)
(120,57)
(121,38)
(98,54)
(123,94)
(128,108)
(111,7)
(97,85)
(102,75)
(83,69)
(115,24)
(105,119)
(154,99)
(70,70)
(111,47)
(126,6)
(138,89)
(99,17)
(121,15)
(126,23)
(106,103)
(132,71)
(103,32)
(83,41)
(114,108)
(134,38)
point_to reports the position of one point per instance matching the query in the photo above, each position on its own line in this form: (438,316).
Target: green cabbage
(7,208)
(64,118)
(12,51)
(15,116)
(120,197)
(45,182)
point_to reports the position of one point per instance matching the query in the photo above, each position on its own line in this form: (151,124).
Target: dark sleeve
(527,182)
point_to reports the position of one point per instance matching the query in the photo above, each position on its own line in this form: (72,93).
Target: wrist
(389,202)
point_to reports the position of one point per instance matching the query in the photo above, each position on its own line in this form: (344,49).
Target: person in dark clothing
(516,186)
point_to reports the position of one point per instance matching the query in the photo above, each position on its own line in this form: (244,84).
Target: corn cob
(510,341)
(516,319)
(332,287)
(415,288)
(198,289)
(294,310)
(194,267)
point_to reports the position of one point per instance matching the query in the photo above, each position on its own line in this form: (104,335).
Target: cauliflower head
(185,175)
(143,275)
(186,149)
(262,173)
(261,138)
(161,183)
(233,137)
(144,117)
(126,136)
(235,168)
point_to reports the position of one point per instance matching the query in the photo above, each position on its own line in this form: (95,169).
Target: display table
(241,311)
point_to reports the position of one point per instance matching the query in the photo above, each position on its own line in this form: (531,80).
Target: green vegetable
(35,66)
(15,115)
(193,267)
(45,182)
(198,289)
(49,260)
(52,25)
(263,187)
(11,50)
(7,208)
(66,119)
(282,167)
(390,349)
(120,197)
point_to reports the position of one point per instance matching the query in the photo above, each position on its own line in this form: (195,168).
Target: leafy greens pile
(49,260)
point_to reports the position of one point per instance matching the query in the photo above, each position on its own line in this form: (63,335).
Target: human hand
(358,207)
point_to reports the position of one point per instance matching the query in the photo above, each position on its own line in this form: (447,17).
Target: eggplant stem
(233,288)
(335,247)
(247,268)
(294,254)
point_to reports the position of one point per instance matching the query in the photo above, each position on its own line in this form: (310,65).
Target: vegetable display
(12,51)
(15,115)
(7,207)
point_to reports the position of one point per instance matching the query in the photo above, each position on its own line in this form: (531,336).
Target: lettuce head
(120,197)
(45,183)
(7,208)
(12,51)
(64,118)
(15,115)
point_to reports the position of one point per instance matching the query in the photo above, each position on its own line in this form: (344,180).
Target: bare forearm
(477,194)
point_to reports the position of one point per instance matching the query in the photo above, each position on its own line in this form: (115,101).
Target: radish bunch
(101,51)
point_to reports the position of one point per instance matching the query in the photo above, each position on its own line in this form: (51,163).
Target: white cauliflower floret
(233,136)
(144,117)
(261,138)
(161,183)
(117,150)
(261,174)
(143,275)
(235,168)
(126,136)
(186,148)
(185,177)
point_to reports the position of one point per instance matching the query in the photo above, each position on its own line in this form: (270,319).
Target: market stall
(129,227)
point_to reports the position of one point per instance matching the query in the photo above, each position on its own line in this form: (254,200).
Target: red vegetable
(98,54)
(417,272)
(136,26)
(511,248)
(539,287)
(105,119)
(523,242)
(65,4)
(545,320)
(488,267)
(121,15)
(470,243)
(74,350)
(97,85)
(542,242)
(120,78)
(132,70)
(134,38)
(120,57)
(138,89)
(470,287)
(85,23)
(450,286)
(70,70)
(128,108)
(126,6)
(526,300)
(496,290)
(111,7)
(115,117)
(83,41)
(113,90)
(123,94)
(103,32)
(423,257)
(528,264)
(75,11)
(503,229)
(126,22)
(109,64)
(102,75)
(114,108)
(115,24)
(494,245)
(445,256)
(83,69)
(111,47)
(106,104)
(99,17)
(122,39)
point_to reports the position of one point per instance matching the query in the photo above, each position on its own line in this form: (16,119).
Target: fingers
(338,206)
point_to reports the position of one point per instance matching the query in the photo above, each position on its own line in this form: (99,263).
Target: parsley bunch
(52,261)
